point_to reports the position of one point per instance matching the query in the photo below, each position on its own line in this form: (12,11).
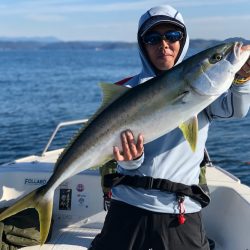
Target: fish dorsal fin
(111,92)
(189,129)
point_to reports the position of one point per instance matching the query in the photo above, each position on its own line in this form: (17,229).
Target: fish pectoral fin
(34,199)
(111,92)
(190,131)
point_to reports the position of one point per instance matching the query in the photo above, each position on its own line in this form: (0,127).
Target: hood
(160,14)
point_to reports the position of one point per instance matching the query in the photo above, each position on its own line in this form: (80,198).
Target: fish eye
(216,58)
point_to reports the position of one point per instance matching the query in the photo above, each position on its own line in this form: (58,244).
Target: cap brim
(155,20)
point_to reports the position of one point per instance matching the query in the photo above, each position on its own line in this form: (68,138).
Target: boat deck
(74,237)
(80,234)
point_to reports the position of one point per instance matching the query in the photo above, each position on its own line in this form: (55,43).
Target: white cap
(157,15)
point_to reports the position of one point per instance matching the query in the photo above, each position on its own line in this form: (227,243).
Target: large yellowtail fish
(153,108)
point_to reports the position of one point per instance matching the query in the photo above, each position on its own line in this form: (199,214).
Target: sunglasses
(154,37)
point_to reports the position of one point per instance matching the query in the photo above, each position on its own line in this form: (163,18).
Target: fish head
(212,71)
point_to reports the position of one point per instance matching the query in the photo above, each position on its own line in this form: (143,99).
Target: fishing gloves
(20,230)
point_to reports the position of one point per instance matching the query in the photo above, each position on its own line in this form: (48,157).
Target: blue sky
(117,20)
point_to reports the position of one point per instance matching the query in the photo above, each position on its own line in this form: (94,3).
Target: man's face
(163,54)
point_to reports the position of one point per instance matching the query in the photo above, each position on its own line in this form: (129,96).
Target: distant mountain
(51,43)
(46,39)
(90,45)
(60,45)
(18,45)
(201,44)
(237,39)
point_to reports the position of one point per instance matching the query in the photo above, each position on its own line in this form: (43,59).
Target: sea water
(41,88)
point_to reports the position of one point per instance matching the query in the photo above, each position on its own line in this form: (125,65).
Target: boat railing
(58,127)
(209,162)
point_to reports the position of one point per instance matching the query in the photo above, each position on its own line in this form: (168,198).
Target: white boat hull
(78,205)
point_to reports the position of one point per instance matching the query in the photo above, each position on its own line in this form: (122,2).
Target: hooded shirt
(169,157)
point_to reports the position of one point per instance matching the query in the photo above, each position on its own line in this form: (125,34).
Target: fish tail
(40,200)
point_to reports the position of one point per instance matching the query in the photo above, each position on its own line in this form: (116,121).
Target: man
(140,218)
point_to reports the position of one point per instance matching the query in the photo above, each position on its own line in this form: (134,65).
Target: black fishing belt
(194,191)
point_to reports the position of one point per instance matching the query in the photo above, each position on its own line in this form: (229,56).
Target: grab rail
(60,125)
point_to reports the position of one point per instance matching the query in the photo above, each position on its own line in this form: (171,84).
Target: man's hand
(245,70)
(131,149)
